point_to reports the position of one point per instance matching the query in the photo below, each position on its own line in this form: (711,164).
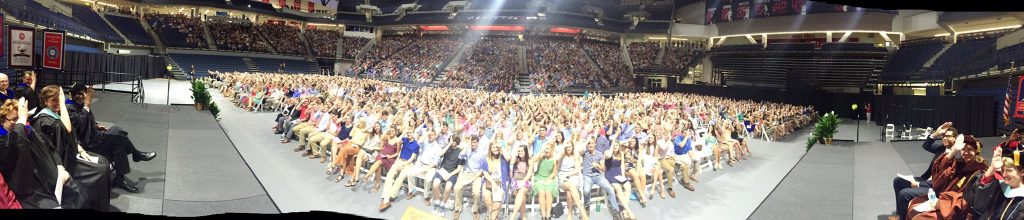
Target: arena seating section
(33,12)
(178,30)
(231,63)
(95,22)
(750,65)
(132,29)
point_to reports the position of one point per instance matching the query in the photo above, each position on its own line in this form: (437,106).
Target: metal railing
(132,83)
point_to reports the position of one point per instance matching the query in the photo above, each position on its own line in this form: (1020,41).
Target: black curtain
(91,68)
(970,114)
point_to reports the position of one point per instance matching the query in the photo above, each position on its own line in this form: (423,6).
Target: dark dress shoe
(143,156)
(126,186)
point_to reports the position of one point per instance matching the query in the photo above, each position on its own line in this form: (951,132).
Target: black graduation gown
(94,178)
(32,168)
(83,123)
(30,95)
(988,203)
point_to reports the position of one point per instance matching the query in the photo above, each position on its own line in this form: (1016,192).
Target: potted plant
(200,96)
(824,130)
(215,110)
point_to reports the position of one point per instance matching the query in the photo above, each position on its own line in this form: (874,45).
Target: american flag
(1006,102)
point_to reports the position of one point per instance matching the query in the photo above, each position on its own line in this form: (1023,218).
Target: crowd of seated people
(558,63)
(238,36)
(614,71)
(419,60)
(385,47)
(190,29)
(64,159)
(491,63)
(352,45)
(503,147)
(679,54)
(117,10)
(959,183)
(643,55)
(323,42)
(284,39)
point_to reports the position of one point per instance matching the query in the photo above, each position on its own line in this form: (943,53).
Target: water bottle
(598,207)
(931,195)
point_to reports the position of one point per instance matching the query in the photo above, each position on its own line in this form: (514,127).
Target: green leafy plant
(824,130)
(215,110)
(200,95)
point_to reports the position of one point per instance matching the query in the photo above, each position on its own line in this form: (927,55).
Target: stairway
(160,48)
(365,49)
(209,37)
(305,44)
(523,84)
(129,41)
(252,67)
(624,54)
(176,69)
(591,60)
(936,56)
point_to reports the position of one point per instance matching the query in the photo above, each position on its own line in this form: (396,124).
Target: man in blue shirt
(476,161)
(682,146)
(592,167)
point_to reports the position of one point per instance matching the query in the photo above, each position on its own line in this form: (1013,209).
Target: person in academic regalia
(993,198)
(91,171)
(906,190)
(5,90)
(950,177)
(27,89)
(112,143)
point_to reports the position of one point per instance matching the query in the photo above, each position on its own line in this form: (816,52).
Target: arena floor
(202,170)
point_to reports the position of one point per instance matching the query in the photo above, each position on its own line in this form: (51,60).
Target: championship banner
(1018,112)
(53,49)
(22,47)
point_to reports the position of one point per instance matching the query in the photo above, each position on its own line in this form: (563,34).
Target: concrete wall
(691,14)
(694,30)
(1010,39)
(812,22)
(919,22)
(360,34)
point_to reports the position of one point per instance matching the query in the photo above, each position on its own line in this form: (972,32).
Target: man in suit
(112,143)
(907,190)
(27,89)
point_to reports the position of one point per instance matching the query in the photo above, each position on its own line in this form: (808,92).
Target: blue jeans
(597,178)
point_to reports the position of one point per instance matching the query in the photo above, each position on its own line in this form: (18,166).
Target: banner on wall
(53,49)
(22,47)
(1018,112)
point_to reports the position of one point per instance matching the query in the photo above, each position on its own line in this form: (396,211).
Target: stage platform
(197,170)
(156,91)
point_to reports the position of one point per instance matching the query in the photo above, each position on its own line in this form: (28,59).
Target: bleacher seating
(209,62)
(852,46)
(817,69)
(132,29)
(911,56)
(95,22)
(178,30)
(237,36)
(33,12)
(284,39)
(679,55)
(290,66)
(790,47)
(643,55)
(353,45)
(964,51)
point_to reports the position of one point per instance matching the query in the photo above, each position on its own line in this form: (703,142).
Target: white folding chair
(890,132)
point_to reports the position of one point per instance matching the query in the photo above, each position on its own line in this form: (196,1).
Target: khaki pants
(415,171)
(304,134)
(466,178)
(684,167)
(669,166)
(317,141)
(391,182)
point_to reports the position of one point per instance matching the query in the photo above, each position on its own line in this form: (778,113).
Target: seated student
(409,151)
(432,152)
(568,172)
(614,173)
(495,181)
(91,171)
(951,174)
(475,156)
(446,175)
(521,174)
(112,143)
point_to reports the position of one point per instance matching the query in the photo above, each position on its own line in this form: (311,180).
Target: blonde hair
(8,107)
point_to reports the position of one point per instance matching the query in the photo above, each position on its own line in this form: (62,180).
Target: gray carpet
(849,180)
(197,170)
(298,184)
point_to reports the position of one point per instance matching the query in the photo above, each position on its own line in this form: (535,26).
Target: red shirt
(7,199)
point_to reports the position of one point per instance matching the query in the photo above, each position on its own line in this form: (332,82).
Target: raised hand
(959,144)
